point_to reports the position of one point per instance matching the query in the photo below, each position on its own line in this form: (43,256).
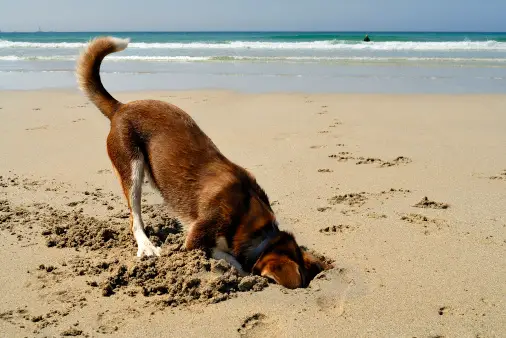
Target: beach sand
(348,174)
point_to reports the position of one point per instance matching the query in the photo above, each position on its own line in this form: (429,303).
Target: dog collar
(254,253)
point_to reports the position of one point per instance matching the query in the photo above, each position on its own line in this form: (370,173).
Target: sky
(242,15)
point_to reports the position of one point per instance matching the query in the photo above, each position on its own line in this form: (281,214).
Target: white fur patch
(221,244)
(120,44)
(218,254)
(145,247)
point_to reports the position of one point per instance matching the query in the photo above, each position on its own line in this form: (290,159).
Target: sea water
(266,61)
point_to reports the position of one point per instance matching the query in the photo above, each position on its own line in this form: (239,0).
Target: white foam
(23,44)
(316,45)
(332,45)
(120,44)
(181,58)
(295,59)
(37,58)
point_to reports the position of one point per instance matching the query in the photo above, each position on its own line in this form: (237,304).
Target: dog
(220,203)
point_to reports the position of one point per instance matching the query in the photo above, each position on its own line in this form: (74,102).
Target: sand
(406,196)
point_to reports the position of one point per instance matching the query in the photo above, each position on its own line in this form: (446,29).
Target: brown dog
(221,204)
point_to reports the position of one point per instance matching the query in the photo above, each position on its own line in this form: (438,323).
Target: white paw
(147,248)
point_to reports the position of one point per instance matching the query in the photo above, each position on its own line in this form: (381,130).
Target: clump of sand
(400,160)
(428,204)
(500,176)
(368,160)
(107,257)
(335,228)
(351,199)
(181,276)
(75,230)
(178,277)
(345,156)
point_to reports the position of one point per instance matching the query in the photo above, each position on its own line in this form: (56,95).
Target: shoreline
(150,92)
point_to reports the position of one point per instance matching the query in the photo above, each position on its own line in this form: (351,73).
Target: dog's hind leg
(129,165)
(144,244)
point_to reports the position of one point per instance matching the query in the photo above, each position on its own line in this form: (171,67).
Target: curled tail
(88,72)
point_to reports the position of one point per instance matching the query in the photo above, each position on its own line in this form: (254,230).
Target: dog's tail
(88,72)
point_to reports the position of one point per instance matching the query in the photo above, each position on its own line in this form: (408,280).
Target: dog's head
(285,263)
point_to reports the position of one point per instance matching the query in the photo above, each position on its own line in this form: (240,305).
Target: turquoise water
(219,37)
(266,61)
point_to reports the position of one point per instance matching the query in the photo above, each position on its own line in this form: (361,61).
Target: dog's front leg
(202,235)
(218,254)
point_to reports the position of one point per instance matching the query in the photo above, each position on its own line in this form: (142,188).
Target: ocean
(392,62)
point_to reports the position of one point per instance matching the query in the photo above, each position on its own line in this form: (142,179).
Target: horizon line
(254,31)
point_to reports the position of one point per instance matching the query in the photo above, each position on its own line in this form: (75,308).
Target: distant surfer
(366,39)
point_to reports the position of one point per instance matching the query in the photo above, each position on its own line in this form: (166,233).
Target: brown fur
(88,72)
(213,196)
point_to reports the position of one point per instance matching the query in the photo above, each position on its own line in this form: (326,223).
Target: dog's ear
(313,266)
(280,270)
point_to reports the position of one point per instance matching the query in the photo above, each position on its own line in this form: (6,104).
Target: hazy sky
(170,15)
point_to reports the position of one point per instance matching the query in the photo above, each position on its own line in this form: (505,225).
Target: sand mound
(182,277)
(400,160)
(105,257)
(335,228)
(426,203)
(368,160)
(178,277)
(345,156)
(351,199)
(75,230)
(500,176)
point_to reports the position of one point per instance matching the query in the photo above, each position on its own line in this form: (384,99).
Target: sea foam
(490,45)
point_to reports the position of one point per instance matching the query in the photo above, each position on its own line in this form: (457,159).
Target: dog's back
(155,135)
(176,153)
